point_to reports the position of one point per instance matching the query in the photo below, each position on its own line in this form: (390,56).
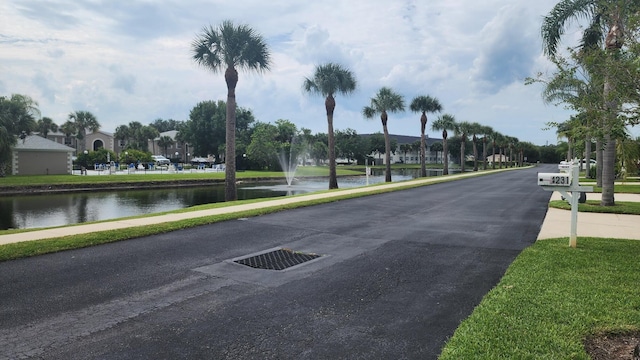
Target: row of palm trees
(230,47)
(77,125)
(602,92)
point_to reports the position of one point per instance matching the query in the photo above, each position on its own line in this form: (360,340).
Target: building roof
(34,142)
(171,133)
(60,133)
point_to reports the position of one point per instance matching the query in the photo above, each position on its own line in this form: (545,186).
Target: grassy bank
(157,176)
(551,299)
(621,207)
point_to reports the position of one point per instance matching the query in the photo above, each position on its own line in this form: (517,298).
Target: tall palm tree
(444,122)
(45,125)
(495,137)
(424,104)
(463,129)
(83,121)
(607,20)
(227,48)
(511,143)
(486,133)
(385,101)
(328,80)
(475,129)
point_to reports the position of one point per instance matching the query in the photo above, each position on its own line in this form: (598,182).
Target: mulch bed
(613,346)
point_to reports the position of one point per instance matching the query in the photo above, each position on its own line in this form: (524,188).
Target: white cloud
(131,61)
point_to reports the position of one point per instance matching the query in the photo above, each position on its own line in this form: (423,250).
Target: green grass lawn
(551,298)
(156,176)
(621,207)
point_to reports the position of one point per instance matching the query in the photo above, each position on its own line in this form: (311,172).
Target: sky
(132,60)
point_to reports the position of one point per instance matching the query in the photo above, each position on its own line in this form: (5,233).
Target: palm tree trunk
(230,193)
(445,154)
(511,159)
(587,157)
(423,154)
(493,161)
(609,152)
(475,154)
(484,154)
(599,162)
(608,171)
(462,149)
(423,146)
(330,105)
(387,152)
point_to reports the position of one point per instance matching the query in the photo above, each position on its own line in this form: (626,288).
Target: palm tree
(501,140)
(405,148)
(385,101)
(444,122)
(463,129)
(486,133)
(164,142)
(227,48)
(565,130)
(123,134)
(607,21)
(495,137)
(424,104)
(474,130)
(511,142)
(45,125)
(437,147)
(327,80)
(83,121)
(585,96)
(68,129)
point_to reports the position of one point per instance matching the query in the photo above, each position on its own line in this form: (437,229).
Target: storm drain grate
(277,260)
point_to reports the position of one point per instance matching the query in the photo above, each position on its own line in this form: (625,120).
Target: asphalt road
(399,272)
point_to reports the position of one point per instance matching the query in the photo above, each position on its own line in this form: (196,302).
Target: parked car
(160,160)
(592,163)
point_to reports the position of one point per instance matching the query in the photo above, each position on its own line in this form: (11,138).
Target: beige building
(94,141)
(35,155)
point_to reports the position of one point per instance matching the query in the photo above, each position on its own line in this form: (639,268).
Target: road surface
(398,272)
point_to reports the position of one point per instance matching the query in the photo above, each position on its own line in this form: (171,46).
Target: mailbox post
(566,183)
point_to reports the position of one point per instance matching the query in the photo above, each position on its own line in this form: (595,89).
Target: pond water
(45,210)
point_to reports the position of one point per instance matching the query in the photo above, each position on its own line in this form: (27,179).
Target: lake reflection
(46,210)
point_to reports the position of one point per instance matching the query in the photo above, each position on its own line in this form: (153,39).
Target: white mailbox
(553,179)
(567,184)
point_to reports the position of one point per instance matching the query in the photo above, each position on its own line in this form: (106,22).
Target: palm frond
(231,46)
(329,79)
(553,25)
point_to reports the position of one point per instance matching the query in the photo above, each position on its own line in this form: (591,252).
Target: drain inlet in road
(279,259)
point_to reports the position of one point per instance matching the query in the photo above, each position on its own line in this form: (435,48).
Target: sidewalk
(557,222)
